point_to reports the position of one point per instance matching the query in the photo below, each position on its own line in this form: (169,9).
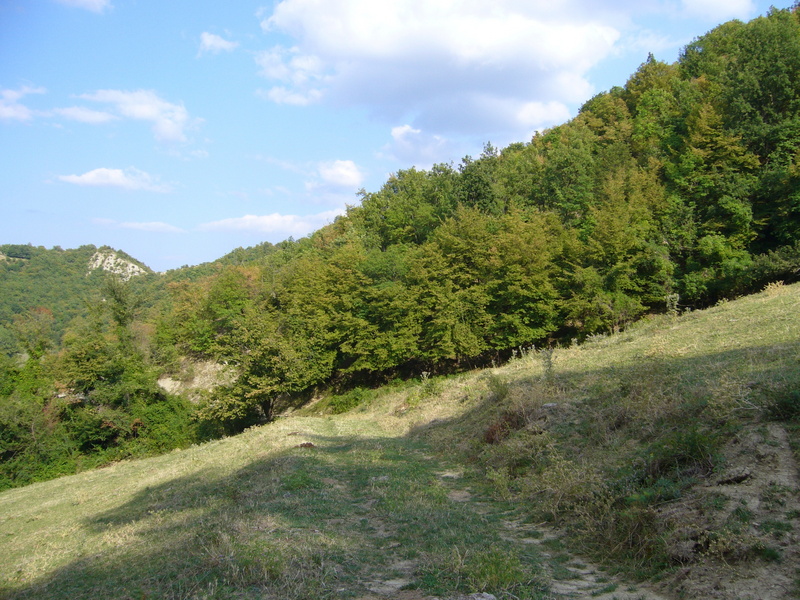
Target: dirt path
(756,497)
(567,576)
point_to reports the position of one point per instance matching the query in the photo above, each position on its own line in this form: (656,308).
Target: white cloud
(84,115)
(413,146)
(424,62)
(10,106)
(129,179)
(276,223)
(169,120)
(303,73)
(281,95)
(97,6)
(289,65)
(646,41)
(536,114)
(341,173)
(152,226)
(210,42)
(720,10)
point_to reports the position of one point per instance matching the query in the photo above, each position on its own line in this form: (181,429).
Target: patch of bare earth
(575,577)
(195,377)
(754,502)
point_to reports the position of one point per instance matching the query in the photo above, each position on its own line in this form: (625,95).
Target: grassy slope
(389,495)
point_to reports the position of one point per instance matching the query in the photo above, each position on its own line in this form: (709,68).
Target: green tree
(715,172)
(34,331)
(566,185)
(408,207)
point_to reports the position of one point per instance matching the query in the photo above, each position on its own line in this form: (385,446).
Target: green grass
(625,424)
(257,514)
(593,438)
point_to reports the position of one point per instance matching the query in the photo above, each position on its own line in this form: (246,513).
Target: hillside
(674,192)
(63,282)
(656,463)
(57,281)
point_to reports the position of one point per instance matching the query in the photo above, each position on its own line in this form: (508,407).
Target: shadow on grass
(319,522)
(304,523)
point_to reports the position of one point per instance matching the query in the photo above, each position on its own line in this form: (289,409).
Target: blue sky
(178,131)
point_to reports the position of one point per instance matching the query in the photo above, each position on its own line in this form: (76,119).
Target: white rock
(109,261)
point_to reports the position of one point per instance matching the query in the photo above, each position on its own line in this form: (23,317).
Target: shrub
(349,400)
(682,453)
(785,406)
(510,420)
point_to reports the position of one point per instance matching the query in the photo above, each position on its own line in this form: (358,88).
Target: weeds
(428,387)
(775,527)
(491,569)
(498,387)
(547,356)
(784,405)
(775,288)
(349,400)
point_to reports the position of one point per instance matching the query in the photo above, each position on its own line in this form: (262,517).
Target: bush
(682,453)
(785,406)
(348,401)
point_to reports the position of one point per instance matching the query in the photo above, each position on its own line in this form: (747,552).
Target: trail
(567,575)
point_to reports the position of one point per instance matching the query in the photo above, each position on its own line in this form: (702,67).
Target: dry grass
(598,438)
(624,433)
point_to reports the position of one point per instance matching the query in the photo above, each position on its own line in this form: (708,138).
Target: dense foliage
(677,190)
(61,281)
(94,401)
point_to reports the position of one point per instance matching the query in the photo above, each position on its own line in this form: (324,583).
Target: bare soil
(755,496)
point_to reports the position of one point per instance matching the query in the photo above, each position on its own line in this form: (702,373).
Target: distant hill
(63,281)
(57,280)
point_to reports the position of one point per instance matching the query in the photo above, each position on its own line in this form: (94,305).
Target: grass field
(488,481)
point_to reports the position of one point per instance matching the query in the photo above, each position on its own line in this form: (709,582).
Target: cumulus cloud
(129,179)
(720,10)
(333,183)
(412,146)
(276,223)
(10,106)
(210,42)
(169,121)
(420,61)
(341,173)
(302,73)
(97,6)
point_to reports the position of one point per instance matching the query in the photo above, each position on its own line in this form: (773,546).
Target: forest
(676,191)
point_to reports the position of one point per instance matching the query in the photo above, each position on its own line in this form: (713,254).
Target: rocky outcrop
(196,377)
(110,261)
